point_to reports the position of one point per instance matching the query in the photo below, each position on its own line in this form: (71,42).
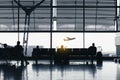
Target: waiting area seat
(9,54)
(70,52)
(51,53)
(63,55)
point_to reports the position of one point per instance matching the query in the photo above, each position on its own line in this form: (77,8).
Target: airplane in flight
(68,38)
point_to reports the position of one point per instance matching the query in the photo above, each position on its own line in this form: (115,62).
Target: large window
(61,15)
(103,41)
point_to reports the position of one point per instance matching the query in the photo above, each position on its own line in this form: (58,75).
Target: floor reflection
(62,69)
(11,72)
(107,70)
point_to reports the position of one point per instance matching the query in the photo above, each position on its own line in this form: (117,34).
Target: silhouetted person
(62,47)
(6,52)
(5,45)
(92,51)
(62,57)
(99,57)
(37,49)
(35,53)
(19,52)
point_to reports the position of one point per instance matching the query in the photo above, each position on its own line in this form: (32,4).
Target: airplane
(68,39)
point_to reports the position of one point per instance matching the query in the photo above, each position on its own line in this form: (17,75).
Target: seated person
(62,47)
(36,51)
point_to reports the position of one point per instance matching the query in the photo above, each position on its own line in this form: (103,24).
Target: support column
(54,15)
(116,14)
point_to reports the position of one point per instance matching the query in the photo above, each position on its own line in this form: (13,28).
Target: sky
(105,40)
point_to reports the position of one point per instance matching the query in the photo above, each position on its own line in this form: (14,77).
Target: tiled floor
(109,70)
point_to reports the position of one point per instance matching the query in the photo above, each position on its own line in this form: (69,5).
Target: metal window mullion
(96,14)
(34,14)
(116,15)
(18,19)
(13,14)
(51,21)
(83,23)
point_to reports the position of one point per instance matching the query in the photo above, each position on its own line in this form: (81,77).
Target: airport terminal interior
(59,40)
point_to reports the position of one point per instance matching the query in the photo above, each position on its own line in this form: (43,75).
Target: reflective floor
(109,70)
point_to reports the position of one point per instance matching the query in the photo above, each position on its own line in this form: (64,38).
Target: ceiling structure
(61,16)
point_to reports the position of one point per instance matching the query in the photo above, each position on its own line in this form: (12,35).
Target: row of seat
(70,51)
(47,52)
(8,53)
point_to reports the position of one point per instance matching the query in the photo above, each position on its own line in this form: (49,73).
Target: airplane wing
(68,37)
(73,38)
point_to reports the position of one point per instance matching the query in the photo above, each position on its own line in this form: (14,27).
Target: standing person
(19,52)
(92,51)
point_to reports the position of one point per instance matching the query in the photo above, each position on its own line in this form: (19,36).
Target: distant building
(117,43)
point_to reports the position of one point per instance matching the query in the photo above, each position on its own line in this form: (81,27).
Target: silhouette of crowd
(13,52)
(61,55)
